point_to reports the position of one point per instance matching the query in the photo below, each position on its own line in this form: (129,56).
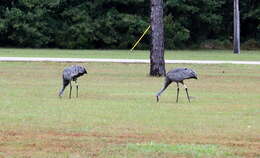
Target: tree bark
(236,39)
(157,63)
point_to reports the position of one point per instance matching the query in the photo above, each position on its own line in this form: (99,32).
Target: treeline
(117,24)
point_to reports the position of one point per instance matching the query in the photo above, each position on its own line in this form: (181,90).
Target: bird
(178,75)
(71,73)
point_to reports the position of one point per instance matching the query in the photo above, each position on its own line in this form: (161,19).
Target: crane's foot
(157,99)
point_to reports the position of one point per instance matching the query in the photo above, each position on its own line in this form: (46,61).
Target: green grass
(116,111)
(126,54)
(187,150)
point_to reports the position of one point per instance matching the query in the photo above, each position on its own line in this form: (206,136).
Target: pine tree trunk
(157,63)
(236,42)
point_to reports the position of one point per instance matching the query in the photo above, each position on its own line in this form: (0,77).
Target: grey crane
(177,75)
(69,74)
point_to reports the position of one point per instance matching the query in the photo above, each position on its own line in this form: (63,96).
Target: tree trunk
(236,40)
(157,63)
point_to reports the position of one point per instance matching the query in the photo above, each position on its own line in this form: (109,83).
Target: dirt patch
(92,143)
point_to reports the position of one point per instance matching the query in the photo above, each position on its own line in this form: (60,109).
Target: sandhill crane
(69,74)
(177,75)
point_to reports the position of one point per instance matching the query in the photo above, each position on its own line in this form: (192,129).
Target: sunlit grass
(137,54)
(116,108)
(187,150)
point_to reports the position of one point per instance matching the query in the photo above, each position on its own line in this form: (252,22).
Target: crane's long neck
(65,84)
(61,91)
(166,84)
(160,92)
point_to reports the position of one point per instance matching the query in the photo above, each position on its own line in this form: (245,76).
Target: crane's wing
(180,74)
(73,72)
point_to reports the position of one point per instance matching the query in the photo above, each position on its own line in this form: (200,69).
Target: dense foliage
(118,23)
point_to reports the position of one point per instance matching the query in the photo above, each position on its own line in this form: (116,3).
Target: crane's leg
(167,82)
(178,90)
(186,89)
(70,90)
(77,87)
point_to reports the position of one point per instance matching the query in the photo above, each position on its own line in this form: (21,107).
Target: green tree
(116,24)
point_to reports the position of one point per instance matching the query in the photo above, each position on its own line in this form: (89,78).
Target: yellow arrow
(141,37)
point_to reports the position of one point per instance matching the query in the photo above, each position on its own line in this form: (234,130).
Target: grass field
(116,114)
(126,54)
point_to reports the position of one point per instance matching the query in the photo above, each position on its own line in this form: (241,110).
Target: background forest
(117,24)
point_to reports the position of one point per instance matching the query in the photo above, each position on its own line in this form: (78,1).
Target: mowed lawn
(117,116)
(136,54)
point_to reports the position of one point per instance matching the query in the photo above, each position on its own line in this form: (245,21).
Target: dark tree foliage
(116,24)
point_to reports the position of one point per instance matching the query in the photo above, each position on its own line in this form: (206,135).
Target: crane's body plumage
(180,74)
(177,75)
(69,74)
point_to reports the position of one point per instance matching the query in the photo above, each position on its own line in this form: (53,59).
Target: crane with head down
(178,75)
(69,74)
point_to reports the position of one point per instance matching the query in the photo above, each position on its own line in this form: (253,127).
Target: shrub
(216,44)
(251,44)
